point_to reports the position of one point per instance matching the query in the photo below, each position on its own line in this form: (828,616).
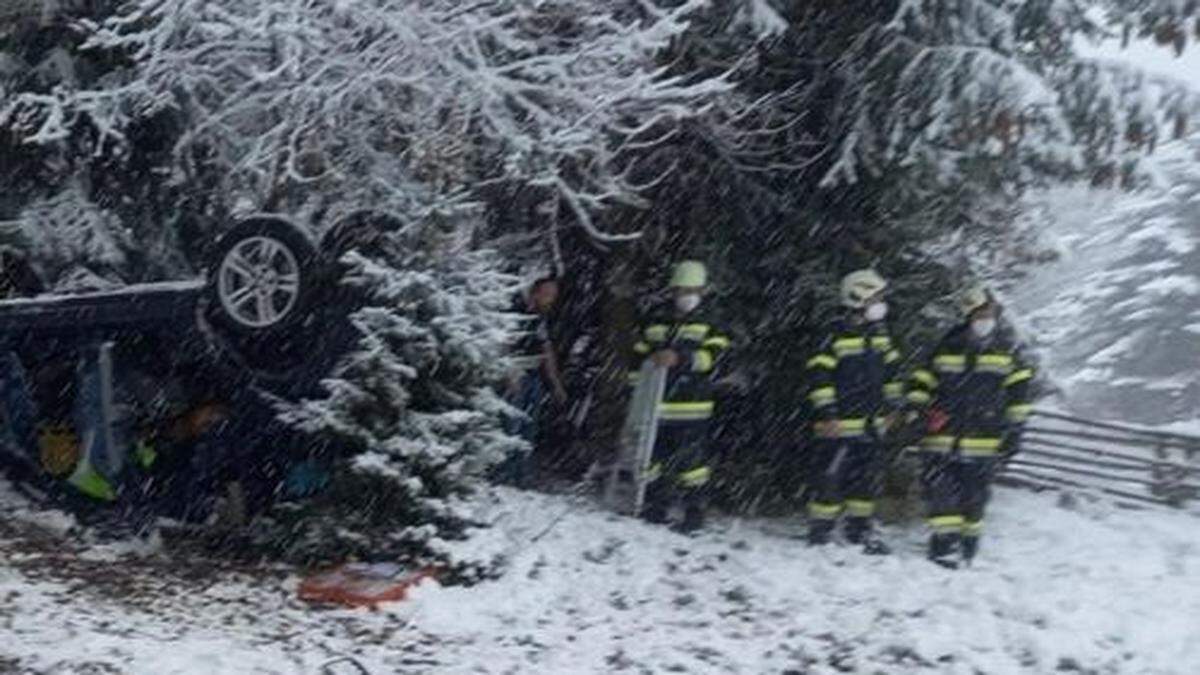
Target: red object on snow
(938,419)
(363,584)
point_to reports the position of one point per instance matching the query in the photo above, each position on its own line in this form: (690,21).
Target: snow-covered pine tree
(75,244)
(955,85)
(77,129)
(291,97)
(414,402)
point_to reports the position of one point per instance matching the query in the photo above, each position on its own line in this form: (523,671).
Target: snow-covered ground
(1080,587)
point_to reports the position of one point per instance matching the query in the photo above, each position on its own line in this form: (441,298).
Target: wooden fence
(1137,466)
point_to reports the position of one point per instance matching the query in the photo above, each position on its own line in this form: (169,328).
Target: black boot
(873,545)
(656,508)
(857,530)
(655,513)
(970,546)
(693,518)
(819,532)
(944,549)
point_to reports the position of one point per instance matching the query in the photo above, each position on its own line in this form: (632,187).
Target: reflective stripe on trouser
(844,476)
(967,446)
(685,411)
(860,508)
(824,511)
(957,490)
(946,524)
(680,468)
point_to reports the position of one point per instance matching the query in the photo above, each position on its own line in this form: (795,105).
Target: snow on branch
(431,92)
(947,84)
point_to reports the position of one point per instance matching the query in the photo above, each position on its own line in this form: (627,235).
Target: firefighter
(975,390)
(855,390)
(690,348)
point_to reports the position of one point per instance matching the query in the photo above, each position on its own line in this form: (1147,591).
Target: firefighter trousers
(845,479)
(680,471)
(956,495)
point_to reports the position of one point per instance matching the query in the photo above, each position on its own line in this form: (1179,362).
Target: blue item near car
(305,479)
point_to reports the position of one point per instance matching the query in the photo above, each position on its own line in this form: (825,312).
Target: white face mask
(876,311)
(686,303)
(983,327)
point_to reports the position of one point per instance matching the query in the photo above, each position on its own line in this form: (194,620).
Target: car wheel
(262,280)
(262,275)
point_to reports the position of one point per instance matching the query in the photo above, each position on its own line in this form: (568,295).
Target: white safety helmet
(860,287)
(973,298)
(689,274)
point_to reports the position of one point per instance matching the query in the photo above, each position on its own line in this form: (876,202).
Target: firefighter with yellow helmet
(682,340)
(854,392)
(974,387)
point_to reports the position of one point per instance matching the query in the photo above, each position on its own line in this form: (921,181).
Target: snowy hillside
(1080,588)
(1117,317)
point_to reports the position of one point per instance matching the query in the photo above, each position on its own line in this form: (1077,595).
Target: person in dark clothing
(855,391)
(974,388)
(540,375)
(690,348)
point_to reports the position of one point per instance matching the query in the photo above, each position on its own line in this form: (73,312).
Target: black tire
(263,279)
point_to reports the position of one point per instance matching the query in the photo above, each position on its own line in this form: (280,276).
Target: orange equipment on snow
(363,584)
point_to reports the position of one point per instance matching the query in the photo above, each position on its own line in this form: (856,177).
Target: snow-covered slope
(1117,317)
(1083,588)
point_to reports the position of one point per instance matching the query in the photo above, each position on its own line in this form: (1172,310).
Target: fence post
(1168,479)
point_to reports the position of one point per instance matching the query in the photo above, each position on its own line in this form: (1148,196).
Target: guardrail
(1142,466)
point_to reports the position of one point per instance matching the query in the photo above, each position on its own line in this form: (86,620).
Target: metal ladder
(625,488)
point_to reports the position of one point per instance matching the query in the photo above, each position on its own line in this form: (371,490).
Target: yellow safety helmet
(689,274)
(860,286)
(974,297)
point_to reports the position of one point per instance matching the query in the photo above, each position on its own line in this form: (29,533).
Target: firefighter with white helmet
(974,388)
(854,391)
(683,341)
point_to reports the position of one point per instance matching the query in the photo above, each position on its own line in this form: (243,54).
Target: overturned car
(154,398)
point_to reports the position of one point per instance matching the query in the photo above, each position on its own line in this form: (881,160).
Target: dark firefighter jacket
(855,378)
(981,387)
(689,390)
